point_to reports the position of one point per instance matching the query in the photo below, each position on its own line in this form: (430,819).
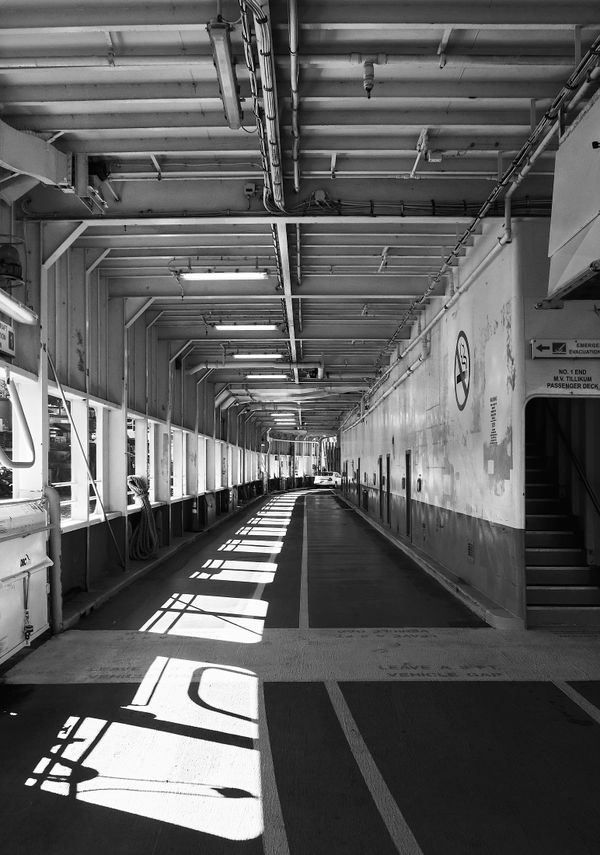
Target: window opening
(59,454)
(94,506)
(6,440)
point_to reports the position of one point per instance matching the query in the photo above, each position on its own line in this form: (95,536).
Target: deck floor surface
(293,684)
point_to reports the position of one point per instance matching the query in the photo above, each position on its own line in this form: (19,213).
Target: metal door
(408,482)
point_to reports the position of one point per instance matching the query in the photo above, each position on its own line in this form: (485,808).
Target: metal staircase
(562,589)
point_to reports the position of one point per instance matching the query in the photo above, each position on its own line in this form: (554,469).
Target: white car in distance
(328,479)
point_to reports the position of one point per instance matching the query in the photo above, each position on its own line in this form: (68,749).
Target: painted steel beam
(320,219)
(316,93)
(188,145)
(424,63)
(286,276)
(28,155)
(200,120)
(433,14)
(328,330)
(331,121)
(325,287)
(385,121)
(28,17)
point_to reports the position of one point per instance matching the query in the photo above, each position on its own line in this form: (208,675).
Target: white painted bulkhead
(467,473)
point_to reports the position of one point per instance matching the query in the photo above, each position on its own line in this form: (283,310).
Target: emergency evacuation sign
(462,370)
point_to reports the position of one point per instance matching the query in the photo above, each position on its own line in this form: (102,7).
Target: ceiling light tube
(218,32)
(220,275)
(17,311)
(257,356)
(245,327)
(267,376)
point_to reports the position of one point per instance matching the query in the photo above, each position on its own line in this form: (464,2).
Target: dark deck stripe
(494,768)
(358,579)
(326,805)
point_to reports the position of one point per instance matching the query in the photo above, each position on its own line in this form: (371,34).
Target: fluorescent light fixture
(244,327)
(17,311)
(267,376)
(283,414)
(218,32)
(257,356)
(213,276)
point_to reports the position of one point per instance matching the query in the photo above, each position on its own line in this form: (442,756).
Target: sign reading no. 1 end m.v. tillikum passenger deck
(570,348)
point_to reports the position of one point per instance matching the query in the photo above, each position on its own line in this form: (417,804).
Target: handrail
(574,459)
(22,423)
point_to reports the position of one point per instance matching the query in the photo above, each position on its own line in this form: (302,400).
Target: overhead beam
(187,144)
(433,15)
(286,276)
(26,154)
(319,287)
(22,17)
(114,16)
(325,330)
(123,92)
(205,121)
(320,219)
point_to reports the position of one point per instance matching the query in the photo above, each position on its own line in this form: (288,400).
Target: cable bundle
(144,538)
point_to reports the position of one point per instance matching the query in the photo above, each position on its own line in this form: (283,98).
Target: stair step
(549,522)
(561,575)
(563,595)
(552,538)
(555,616)
(541,505)
(541,490)
(555,555)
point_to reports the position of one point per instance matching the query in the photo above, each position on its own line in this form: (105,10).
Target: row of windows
(85,458)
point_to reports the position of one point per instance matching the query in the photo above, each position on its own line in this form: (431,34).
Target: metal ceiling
(377,191)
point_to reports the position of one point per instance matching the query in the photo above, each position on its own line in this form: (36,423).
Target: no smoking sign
(462,370)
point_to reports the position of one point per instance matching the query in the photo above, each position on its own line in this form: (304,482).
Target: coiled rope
(144,538)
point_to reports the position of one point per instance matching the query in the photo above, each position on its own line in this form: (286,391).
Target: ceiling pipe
(266,62)
(294,75)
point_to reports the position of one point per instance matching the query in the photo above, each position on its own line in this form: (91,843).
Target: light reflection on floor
(262,572)
(261,531)
(236,545)
(218,618)
(208,782)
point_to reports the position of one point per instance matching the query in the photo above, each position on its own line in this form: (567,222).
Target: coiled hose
(144,538)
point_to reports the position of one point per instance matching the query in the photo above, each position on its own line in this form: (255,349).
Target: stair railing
(574,459)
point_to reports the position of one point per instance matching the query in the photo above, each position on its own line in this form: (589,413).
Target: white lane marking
(578,699)
(303,617)
(391,814)
(274,837)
